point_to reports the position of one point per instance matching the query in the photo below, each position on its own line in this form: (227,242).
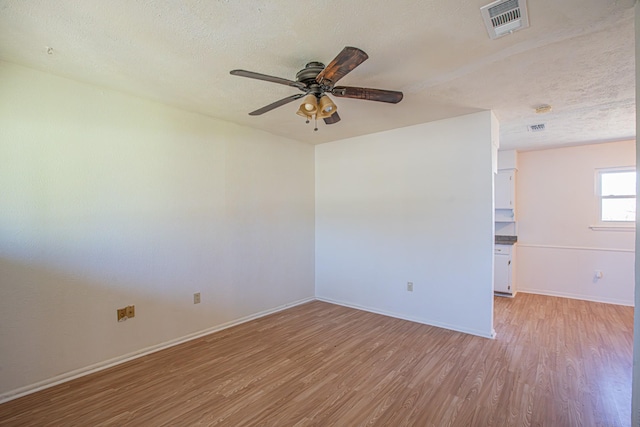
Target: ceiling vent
(503,17)
(536,128)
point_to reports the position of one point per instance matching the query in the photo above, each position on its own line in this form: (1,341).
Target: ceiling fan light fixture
(326,107)
(309,106)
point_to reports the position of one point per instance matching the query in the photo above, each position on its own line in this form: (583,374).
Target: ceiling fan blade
(369,94)
(266,78)
(334,118)
(276,104)
(345,62)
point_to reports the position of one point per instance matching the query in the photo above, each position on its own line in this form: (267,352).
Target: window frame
(600,197)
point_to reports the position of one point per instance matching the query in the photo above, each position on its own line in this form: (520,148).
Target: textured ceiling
(577,55)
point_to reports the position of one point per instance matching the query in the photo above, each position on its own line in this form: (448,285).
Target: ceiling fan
(316,81)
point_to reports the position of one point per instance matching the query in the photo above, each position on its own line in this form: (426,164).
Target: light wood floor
(555,362)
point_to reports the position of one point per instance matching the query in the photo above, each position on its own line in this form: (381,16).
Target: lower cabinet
(503,269)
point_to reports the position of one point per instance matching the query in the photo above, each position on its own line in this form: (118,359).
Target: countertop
(505,240)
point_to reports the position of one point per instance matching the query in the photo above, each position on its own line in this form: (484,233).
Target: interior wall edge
(635,376)
(68,376)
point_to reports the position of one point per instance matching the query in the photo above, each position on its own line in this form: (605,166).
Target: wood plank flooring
(555,362)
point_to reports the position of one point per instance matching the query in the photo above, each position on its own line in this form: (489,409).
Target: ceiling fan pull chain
(316,123)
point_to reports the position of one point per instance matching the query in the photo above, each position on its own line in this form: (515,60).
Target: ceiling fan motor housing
(309,73)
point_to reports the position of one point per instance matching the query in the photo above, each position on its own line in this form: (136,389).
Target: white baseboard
(68,376)
(411,319)
(576,296)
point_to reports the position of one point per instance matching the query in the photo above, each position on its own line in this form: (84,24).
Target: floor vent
(503,17)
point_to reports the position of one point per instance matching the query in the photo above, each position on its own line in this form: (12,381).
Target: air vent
(503,17)
(536,128)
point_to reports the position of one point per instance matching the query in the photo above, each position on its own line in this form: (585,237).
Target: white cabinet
(505,189)
(504,269)
(505,195)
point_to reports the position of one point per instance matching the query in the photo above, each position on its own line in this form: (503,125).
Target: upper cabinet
(505,187)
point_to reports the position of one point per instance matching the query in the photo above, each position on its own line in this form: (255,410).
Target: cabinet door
(504,190)
(502,273)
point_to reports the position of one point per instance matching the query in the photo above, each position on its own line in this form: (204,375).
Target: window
(617,195)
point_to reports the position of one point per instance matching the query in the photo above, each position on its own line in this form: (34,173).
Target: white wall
(410,205)
(557,251)
(107,200)
(635,398)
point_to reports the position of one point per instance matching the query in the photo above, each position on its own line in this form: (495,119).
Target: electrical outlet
(122,314)
(410,286)
(131,311)
(196,298)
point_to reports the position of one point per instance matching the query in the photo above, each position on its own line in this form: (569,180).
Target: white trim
(576,296)
(575,248)
(410,318)
(68,376)
(603,227)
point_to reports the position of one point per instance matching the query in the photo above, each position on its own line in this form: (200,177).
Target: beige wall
(558,252)
(107,200)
